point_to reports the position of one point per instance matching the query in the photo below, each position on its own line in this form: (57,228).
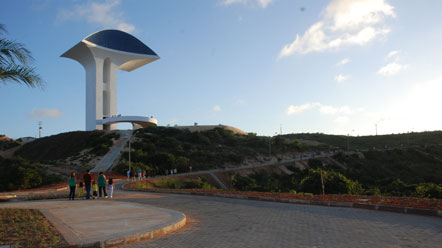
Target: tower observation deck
(102,54)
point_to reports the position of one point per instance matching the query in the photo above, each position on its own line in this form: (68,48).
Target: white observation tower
(102,54)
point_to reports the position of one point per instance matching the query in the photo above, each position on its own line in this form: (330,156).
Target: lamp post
(129,156)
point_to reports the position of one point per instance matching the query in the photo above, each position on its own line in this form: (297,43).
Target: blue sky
(331,66)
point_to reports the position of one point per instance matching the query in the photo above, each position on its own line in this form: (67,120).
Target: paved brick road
(219,222)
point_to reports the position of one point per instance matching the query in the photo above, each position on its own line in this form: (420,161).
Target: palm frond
(11,52)
(20,74)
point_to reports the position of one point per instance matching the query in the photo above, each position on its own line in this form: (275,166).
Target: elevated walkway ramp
(111,157)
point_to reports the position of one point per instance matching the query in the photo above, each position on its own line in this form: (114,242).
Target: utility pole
(280,129)
(129,155)
(376,125)
(40,127)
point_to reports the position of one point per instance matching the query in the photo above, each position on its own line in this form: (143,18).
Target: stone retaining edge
(403,210)
(133,238)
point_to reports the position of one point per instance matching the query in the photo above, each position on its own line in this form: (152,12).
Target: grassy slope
(370,142)
(64,145)
(166,148)
(410,165)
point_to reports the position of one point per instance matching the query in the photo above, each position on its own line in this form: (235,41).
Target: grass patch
(27,228)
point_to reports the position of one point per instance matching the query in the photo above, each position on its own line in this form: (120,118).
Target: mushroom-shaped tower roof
(119,40)
(128,52)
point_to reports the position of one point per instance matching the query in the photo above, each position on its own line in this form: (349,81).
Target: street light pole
(129,155)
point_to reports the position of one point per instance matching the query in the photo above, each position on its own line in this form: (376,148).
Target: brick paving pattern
(220,222)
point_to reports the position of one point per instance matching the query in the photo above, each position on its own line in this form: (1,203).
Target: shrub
(243,183)
(429,190)
(18,173)
(334,183)
(193,183)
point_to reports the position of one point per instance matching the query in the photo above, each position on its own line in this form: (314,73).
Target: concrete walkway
(111,223)
(220,222)
(114,153)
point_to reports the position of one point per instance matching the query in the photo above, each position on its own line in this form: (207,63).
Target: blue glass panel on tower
(119,40)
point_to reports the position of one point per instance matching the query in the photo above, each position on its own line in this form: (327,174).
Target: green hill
(381,164)
(371,142)
(65,145)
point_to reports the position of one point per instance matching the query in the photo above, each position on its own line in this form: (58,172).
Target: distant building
(102,54)
(202,128)
(26,139)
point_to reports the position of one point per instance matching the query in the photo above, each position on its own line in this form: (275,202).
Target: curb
(133,238)
(402,210)
(176,221)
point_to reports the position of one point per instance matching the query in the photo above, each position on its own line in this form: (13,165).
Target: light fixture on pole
(130,170)
(40,127)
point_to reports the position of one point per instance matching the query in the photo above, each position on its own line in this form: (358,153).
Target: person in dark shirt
(87,178)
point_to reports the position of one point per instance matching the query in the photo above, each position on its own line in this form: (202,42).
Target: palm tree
(14,63)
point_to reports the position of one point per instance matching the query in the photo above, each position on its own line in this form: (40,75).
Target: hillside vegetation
(18,173)
(65,145)
(371,142)
(7,143)
(401,164)
(61,154)
(157,149)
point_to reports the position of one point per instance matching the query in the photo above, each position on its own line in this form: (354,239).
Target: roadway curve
(221,222)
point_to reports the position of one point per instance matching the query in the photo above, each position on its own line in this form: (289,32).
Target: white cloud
(341,78)
(392,54)
(45,113)
(230,2)
(293,109)
(102,13)
(264,3)
(345,22)
(394,67)
(216,108)
(260,3)
(353,14)
(323,109)
(343,62)
(391,69)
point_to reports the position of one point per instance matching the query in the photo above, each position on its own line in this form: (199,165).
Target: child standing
(94,190)
(80,190)
(111,187)
(72,184)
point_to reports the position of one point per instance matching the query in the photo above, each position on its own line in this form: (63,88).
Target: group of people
(138,175)
(85,186)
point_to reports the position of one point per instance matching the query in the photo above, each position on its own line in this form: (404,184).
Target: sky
(263,66)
